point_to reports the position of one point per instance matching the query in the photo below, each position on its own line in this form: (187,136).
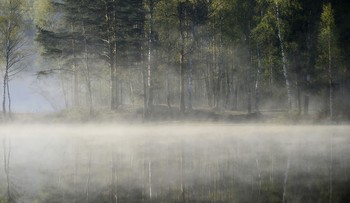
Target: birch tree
(12,44)
(273,30)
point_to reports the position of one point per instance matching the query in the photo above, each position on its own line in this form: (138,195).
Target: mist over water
(176,163)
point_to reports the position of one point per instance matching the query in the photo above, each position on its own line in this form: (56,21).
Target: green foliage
(328,50)
(43,11)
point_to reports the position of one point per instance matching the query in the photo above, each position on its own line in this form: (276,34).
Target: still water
(175,163)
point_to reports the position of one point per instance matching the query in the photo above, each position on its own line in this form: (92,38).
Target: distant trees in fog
(225,54)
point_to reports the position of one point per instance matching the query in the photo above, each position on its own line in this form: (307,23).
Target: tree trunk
(4,93)
(236,97)
(121,92)
(306,105)
(228,89)
(113,91)
(285,182)
(167,89)
(132,97)
(144,82)
(112,42)
(9,98)
(150,81)
(87,69)
(257,86)
(182,80)
(284,60)
(112,189)
(150,179)
(208,87)
(151,57)
(190,73)
(190,80)
(330,78)
(75,76)
(76,86)
(249,100)
(182,29)
(64,92)
(299,97)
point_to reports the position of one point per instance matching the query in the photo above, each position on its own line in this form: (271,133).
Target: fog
(175,163)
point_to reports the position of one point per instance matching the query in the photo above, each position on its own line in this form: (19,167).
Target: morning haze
(174,101)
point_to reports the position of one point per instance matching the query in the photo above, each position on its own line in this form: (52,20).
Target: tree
(328,51)
(98,32)
(177,24)
(12,44)
(273,31)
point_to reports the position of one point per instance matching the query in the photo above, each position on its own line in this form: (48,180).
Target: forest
(174,101)
(250,56)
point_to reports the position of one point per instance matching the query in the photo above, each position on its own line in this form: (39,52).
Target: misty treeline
(223,54)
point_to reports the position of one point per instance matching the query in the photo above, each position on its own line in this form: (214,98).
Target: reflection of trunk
(113,189)
(271,170)
(182,186)
(75,175)
(286,174)
(7,154)
(88,180)
(284,60)
(331,172)
(150,179)
(259,178)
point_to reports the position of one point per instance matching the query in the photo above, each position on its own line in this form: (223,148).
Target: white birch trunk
(284,59)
